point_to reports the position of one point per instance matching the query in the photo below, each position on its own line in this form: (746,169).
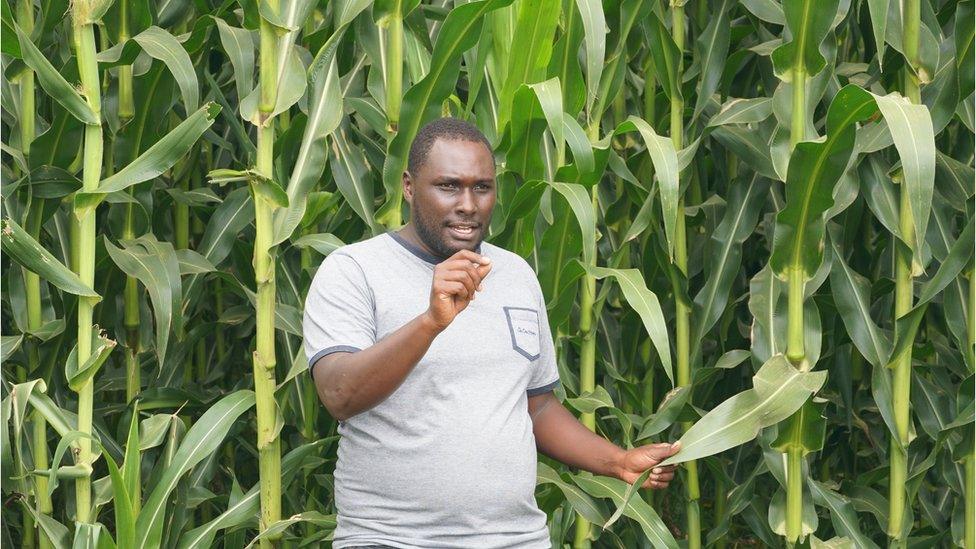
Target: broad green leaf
(665,161)
(579,200)
(842,514)
(778,391)
(351,173)
(666,56)
(804,430)
(816,166)
(667,413)
(712,48)
(851,293)
(743,111)
(161,45)
(323,243)
(238,44)
(77,375)
(879,22)
(202,439)
(276,529)
(651,524)
(592,510)
(242,510)
(646,304)
(591,401)
(54,84)
(809,22)
(533,45)
(724,256)
(324,114)
(26,251)
(963,35)
(911,129)
(594,38)
(160,157)
(156,266)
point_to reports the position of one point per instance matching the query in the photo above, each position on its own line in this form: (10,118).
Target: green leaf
(842,513)
(201,440)
(595,41)
(723,257)
(54,84)
(351,174)
(276,529)
(156,266)
(665,160)
(667,413)
(323,243)
(160,157)
(712,48)
(809,22)
(647,306)
(816,166)
(534,30)
(26,251)
(579,200)
(591,401)
(651,524)
(804,430)
(911,129)
(238,44)
(324,115)
(592,510)
(665,53)
(743,111)
(100,347)
(159,44)
(778,391)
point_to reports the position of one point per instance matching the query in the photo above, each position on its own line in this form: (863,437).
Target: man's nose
(466,202)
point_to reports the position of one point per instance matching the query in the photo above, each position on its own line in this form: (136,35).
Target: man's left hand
(633,463)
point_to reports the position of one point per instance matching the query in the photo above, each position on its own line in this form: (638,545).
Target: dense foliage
(752,222)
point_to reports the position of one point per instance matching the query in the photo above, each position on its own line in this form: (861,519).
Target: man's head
(450,185)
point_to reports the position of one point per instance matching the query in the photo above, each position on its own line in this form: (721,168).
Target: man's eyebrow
(452,179)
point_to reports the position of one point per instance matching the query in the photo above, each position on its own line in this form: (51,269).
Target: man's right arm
(350,383)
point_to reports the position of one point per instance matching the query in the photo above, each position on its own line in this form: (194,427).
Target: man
(433,350)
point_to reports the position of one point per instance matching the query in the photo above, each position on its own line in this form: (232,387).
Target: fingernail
(656,470)
(485,259)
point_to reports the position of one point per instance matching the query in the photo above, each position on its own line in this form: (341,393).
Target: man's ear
(407,184)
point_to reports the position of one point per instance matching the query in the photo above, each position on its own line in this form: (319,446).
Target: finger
(471,256)
(465,266)
(450,288)
(464,277)
(659,485)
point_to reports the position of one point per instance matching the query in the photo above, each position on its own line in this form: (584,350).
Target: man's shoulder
(354,256)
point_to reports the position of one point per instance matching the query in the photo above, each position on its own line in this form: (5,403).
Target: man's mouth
(463,231)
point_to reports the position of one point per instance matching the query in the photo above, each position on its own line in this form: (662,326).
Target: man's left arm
(559,435)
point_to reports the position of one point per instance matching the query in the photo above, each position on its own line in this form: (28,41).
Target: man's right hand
(456,280)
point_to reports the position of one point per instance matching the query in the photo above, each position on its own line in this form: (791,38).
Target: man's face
(452,196)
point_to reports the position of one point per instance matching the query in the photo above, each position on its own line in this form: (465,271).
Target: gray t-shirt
(449,459)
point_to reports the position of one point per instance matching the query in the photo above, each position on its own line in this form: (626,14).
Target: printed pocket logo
(523,324)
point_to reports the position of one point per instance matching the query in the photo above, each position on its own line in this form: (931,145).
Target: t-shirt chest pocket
(523,327)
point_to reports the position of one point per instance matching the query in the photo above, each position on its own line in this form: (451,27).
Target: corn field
(752,222)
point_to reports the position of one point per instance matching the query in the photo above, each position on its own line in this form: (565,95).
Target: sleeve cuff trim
(330,350)
(544,389)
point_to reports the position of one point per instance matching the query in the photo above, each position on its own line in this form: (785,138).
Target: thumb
(675,448)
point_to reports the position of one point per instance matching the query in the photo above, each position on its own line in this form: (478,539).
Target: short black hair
(448,128)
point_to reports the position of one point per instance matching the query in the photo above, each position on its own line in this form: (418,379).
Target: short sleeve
(545,374)
(339,313)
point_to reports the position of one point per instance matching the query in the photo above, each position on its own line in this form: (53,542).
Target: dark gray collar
(412,248)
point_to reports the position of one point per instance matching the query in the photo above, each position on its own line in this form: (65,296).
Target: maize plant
(752,222)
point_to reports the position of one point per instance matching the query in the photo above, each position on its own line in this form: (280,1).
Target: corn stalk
(83,35)
(268,441)
(902,368)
